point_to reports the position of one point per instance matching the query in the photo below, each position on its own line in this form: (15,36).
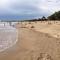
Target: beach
(33,45)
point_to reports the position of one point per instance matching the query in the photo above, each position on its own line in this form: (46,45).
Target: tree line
(54,16)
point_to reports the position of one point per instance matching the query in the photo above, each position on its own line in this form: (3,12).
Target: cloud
(21,9)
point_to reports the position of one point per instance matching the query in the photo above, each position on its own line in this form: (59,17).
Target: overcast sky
(27,9)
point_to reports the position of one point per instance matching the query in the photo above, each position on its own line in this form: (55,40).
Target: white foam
(8,36)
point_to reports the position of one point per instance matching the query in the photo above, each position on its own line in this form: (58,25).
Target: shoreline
(31,44)
(8,40)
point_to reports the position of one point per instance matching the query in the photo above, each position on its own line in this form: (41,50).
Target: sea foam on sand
(8,36)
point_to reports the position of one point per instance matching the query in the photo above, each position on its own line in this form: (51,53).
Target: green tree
(55,16)
(43,18)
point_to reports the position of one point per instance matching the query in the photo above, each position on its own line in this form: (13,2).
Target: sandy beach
(29,29)
(33,45)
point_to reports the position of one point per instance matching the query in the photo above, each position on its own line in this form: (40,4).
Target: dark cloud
(27,9)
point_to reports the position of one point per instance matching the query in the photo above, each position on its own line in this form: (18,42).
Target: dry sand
(50,27)
(33,45)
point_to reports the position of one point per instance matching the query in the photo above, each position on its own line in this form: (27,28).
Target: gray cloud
(27,8)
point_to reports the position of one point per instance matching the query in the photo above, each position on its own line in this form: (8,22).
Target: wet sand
(33,45)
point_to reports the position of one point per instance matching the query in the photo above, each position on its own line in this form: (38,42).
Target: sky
(27,9)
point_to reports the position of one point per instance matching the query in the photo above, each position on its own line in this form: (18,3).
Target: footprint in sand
(44,56)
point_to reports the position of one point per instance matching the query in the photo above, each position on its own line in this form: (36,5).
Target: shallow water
(8,37)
